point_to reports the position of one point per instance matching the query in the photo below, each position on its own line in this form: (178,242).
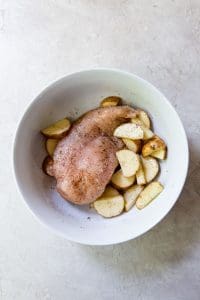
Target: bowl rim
(37,98)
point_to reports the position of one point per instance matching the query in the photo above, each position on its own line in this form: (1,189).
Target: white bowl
(71,96)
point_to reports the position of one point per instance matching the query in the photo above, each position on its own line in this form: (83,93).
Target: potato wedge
(150,192)
(143,116)
(153,145)
(111,101)
(137,121)
(51,146)
(109,192)
(133,145)
(161,154)
(129,162)
(148,134)
(150,167)
(140,176)
(120,181)
(109,207)
(131,195)
(57,130)
(47,166)
(129,131)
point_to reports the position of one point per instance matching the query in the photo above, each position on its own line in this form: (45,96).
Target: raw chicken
(84,160)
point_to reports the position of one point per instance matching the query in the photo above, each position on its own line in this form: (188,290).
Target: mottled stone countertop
(42,40)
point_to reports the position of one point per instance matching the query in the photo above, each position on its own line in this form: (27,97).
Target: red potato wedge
(150,192)
(57,130)
(111,101)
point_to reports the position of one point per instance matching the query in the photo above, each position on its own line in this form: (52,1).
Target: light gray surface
(41,41)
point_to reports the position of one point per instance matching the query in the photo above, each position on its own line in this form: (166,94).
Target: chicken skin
(84,160)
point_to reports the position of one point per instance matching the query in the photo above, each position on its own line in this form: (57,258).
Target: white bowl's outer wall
(72,96)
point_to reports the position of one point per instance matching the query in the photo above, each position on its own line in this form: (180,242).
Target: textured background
(42,40)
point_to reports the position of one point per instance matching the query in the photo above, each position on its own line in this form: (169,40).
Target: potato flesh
(150,192)
(120,181)
(160,154)
(140,176)
(111,101)
(109,207)
(147,133)
(51,146)
(131,195)
(150,167)
(110,192)
(130,131)
(129,162)
(133,145)
(143,116)
(57,130)
(137,121)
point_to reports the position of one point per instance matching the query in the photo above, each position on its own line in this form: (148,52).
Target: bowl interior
(72,96)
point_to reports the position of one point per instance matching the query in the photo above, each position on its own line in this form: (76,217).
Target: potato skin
(56,136)
(50,146)
(153,145)
(111,101)
(57,130)
(160,154)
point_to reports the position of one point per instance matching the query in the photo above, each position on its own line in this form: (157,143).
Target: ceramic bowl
(71,96)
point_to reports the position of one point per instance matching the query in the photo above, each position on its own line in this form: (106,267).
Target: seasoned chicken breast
(85,159)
